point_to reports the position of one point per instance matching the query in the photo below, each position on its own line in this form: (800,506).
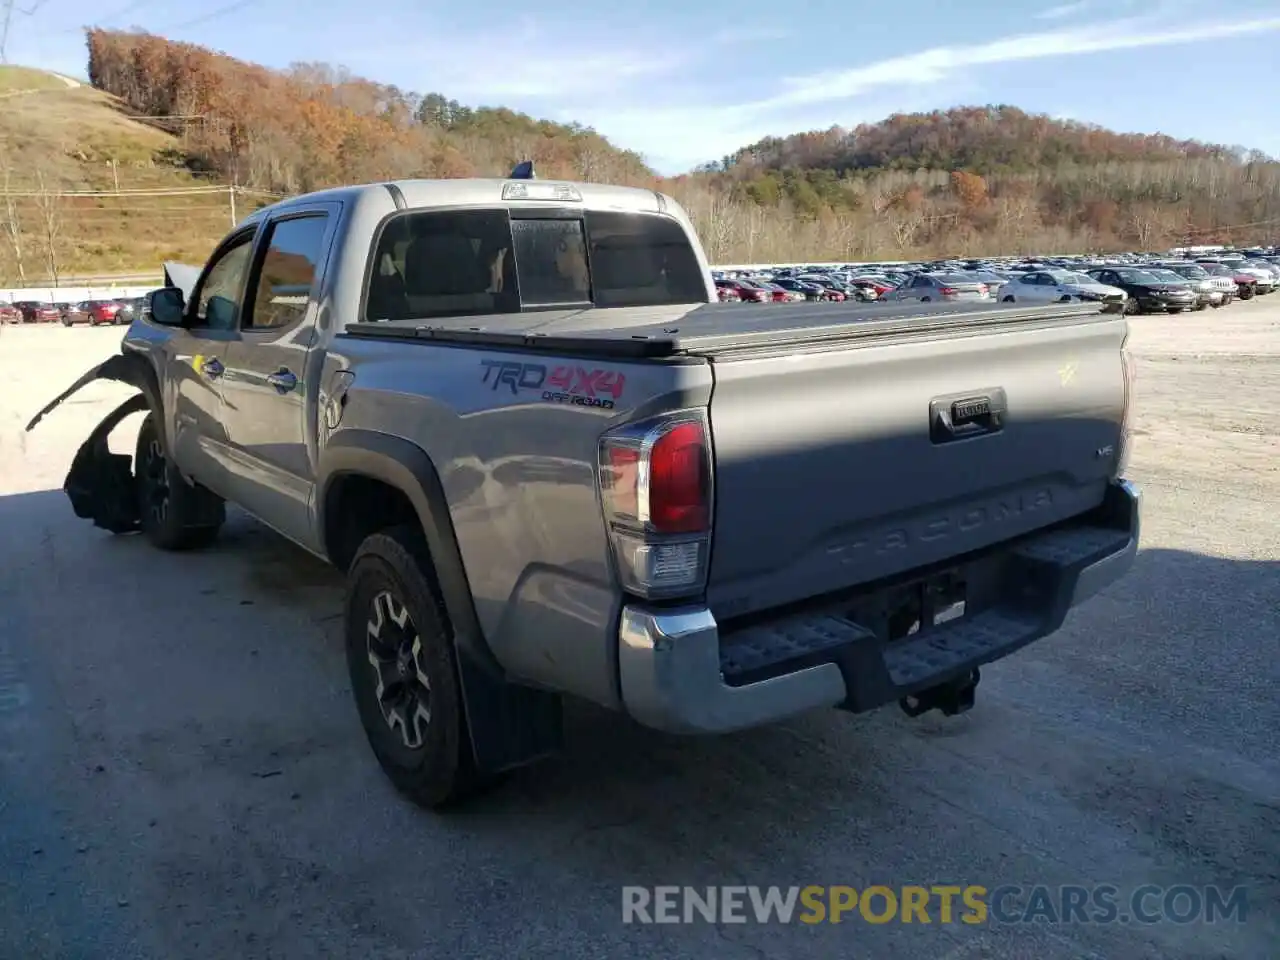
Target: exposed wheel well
(357,506)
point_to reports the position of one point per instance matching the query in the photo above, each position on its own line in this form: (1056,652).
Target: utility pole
(9,8)
(231,193)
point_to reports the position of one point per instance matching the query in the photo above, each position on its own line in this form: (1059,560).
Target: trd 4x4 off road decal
(563,383)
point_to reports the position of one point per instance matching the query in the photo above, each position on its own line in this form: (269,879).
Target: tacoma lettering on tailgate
(560,384)
(939,527)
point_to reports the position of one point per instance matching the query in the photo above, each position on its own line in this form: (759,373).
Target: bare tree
(49,212)
(12,221)
(905,224)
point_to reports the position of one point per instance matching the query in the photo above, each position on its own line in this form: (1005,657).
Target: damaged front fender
(130,368)
(100,484)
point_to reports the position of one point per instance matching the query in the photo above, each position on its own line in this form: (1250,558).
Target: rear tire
(174,514)
(1008,299)
(404,676)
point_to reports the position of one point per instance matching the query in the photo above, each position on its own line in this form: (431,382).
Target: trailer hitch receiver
(953,697)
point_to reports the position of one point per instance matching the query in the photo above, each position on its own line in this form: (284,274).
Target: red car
(726,293)
(9,313)
(1247,283)
(102,311)
(747,291)
(35,311)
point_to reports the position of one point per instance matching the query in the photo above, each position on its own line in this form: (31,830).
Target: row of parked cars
(1130,283)
(92,312)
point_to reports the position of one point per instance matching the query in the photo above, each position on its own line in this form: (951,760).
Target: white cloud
(1064,10)
(557,67)
(678,136)
(501,66)
(940,63)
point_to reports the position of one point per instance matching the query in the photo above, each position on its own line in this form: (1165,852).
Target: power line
(153,192)
(211,15)
(10,8)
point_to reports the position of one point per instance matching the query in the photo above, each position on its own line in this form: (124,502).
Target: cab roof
(476,191)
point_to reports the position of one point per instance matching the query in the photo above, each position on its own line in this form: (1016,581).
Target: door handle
(964,417)
(212,368)
(283,380)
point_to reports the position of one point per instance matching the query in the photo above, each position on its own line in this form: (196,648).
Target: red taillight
(656,492)
(948,291)
(679,478)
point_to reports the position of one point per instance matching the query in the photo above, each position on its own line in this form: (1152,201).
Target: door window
(220,297)
(289,269)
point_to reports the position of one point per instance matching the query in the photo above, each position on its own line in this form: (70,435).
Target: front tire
(400,658)
(174,514)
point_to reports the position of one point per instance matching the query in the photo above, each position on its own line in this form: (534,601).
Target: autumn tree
(970,189)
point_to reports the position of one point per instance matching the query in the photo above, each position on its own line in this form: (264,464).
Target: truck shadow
(629,805)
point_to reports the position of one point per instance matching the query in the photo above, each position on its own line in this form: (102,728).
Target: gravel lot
(182,773)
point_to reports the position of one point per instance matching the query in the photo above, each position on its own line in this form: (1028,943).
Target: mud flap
(100,483)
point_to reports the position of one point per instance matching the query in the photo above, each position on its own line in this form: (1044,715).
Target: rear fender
(100,484)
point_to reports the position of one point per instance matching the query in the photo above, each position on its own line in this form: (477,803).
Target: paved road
(182,775)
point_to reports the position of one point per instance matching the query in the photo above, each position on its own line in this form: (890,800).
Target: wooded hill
(315,125)
(971,181)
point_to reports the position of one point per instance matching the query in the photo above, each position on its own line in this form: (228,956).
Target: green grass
(13,79)
(69,137)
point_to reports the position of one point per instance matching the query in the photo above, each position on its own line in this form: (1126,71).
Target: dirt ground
(182,773)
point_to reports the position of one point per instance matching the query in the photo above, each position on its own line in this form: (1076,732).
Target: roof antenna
(523,171)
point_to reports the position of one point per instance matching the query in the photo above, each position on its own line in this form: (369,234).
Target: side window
(920,281)
(289,268)
(443,264)
(218,300)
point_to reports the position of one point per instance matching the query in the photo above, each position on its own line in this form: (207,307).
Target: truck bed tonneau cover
(714,329)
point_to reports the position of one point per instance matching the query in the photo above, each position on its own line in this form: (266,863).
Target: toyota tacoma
(551,464)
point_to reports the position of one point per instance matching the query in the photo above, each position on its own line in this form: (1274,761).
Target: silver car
(939,288)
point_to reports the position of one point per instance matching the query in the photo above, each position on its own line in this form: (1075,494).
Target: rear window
(467,262)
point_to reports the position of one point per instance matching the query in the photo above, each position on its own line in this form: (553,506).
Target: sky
(685,83)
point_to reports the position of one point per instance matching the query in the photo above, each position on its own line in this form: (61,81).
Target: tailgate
(836,468)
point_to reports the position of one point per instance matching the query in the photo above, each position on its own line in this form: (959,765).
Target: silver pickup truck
(550,463)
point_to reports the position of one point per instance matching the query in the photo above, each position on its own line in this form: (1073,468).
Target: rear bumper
(679,674)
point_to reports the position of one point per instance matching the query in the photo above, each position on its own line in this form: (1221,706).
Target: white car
(1044,286)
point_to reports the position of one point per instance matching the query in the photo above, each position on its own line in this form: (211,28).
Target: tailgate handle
(960,418)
